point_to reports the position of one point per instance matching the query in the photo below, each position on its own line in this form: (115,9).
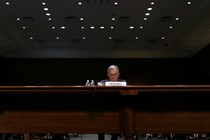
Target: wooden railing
(125,110)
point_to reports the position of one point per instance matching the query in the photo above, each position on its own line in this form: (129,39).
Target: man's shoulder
(105,80)
(121,80)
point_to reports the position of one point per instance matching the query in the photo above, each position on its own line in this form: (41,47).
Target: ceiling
(103,28)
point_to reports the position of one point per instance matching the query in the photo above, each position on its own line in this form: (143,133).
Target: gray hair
(113,67)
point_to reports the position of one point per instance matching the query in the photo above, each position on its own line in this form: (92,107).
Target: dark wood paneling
(77,71)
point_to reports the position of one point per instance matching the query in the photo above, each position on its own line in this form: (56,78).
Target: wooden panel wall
(76,71)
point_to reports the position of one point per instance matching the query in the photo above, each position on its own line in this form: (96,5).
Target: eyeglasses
(113,74)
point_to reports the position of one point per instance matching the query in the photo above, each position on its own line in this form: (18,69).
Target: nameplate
(115,84)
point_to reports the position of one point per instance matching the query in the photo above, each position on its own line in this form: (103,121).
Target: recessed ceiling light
(113,18)
(131,27)
(80,3)
(163,38)
(147,14)
(149,9)
(102,27)
(92,27)
(116,3)
(43,3)
(110,37)
(83,38)
(83,27)
(152,3)
(57,38)
(63,27)
(18,18)
(136,38)
(24,27)
(145,18)
(170,27)
(81,18)
(31,38)
(7,3)
(112,27)
(49,18)
(47,14)
(46,9)
(189,2)
(177,18)
(141,27)
(53,27)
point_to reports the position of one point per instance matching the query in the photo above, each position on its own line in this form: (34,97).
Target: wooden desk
(128,110)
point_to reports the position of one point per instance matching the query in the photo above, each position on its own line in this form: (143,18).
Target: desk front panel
(172,112)
(60,112)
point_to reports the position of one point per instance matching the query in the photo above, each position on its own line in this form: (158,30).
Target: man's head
(113,73)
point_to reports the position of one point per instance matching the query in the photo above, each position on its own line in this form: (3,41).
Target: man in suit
(113,74)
